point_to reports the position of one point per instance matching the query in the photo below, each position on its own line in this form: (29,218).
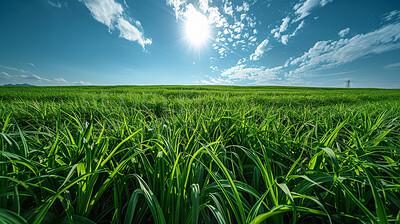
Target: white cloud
(105,11)
(178,6)
(204,5)
(259,75)
(6,75)
(40,78)
(222,52)
(13,69)
(344,32)
(394,66)
(215,17)
(261,48)
(246,7)
(31,64)
(277,31)
(237,30)
(111,14)
(328,54)
(253,39)
(242,17)
(283,28)
(299,27)
(62,81)
(392,15)
(214,68)
(285,38)
(228,30)
(228,9)
(304,8)
(243,8)
(131,33)
(33,78)
(57,5)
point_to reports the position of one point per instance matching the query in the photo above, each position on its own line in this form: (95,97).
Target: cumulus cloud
(111,14)
(245,7)
(204,5)
(178,6)
(261,48)
(228,9)
(304,8)
(328,54)
(216,17)
(344,32)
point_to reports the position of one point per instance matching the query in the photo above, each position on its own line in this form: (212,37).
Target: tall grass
(177,154)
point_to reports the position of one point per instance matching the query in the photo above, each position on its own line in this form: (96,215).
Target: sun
(197,28)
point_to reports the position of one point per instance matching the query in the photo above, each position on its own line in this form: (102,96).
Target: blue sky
(250,42)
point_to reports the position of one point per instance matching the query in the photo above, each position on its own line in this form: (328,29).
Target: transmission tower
(348,83)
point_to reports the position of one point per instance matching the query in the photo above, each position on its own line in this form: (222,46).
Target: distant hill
(24,84)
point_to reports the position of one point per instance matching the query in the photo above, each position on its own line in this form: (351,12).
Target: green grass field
(199,154)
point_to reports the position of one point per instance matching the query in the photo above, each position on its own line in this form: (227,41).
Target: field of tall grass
(199,154)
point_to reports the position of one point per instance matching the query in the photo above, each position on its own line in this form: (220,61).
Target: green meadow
(199,154)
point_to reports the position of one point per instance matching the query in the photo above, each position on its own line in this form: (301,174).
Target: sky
(195,42)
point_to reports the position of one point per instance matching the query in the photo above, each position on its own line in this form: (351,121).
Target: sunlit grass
(179,154)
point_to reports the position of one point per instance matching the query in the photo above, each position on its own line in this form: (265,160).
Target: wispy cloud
(344,32)
(256,75)
(329,54)
(111,14)
(130,32)
(393,15)
(6,75)
(33,78)
(285,38)
(304,8)
(39,80)
(261,48)
(285,24)
(322,56)
(17,76)
(57,5)
(13,69)
(62,81)
(394,66)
